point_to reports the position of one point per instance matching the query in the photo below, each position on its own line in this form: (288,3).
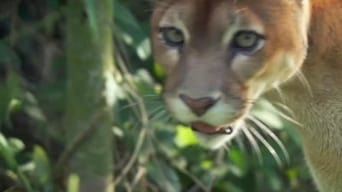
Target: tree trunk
(90,95)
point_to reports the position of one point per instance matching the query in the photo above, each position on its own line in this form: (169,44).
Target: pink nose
(199,105)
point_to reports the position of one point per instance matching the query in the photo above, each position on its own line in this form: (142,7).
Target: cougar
(220,56)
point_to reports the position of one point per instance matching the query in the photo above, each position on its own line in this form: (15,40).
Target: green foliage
(153,153)
(42,173)
(73,183)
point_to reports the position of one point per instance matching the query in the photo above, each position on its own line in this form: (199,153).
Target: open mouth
(206,128)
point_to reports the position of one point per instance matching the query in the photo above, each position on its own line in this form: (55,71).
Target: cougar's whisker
(275,138)
(269,147)
(253,143)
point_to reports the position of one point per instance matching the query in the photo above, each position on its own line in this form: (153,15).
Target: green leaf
(207,164)
(274,181)
(293,176)
(42,171)
(240,160)
(165,177)
(131,31)
(16,145)
(73,183)
(185,137)
(7,154)
(159,70)
(13,94)
(11,87)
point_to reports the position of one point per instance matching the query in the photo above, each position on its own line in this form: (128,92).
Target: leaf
(42,171)
(165,177)
(16,145)
(11,87)
(185,137)
(159,70)
(293,176)
(240,162)
(73,183)
(131,31)
(273,180)
(229,187)
(207,164)
(7,154)
(13,94)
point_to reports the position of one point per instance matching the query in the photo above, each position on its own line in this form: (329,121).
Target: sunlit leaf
(16,145)
(185,137)
(131,31)
(206,164)
(73,183)
(42,171)
(159,71)
(293,176)
(35,112)
(7,154)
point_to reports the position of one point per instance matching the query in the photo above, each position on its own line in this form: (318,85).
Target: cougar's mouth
(206,128)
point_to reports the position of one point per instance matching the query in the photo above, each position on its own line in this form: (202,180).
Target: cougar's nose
(199,105)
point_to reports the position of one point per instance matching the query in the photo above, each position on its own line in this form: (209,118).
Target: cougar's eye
(247,41)
(172,36)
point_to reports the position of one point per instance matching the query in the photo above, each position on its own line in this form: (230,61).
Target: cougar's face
(221,55)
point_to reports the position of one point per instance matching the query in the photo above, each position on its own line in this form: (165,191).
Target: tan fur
(303,39)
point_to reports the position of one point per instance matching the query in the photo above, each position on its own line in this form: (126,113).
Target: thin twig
(144,121)
(133,158)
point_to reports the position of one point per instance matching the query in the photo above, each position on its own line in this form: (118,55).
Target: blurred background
(151,152)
